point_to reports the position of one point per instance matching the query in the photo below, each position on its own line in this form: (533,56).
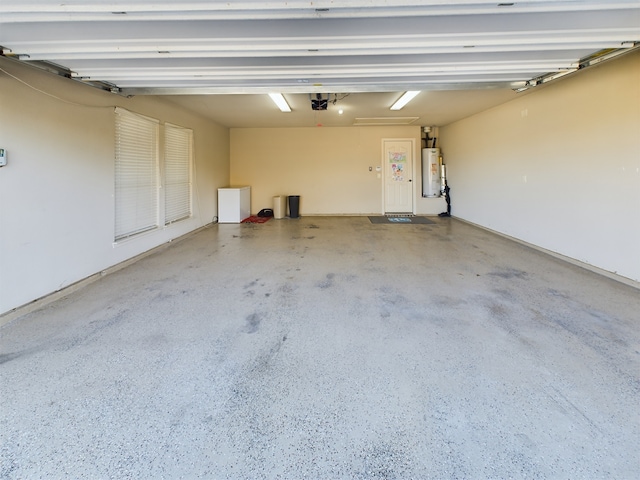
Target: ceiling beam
(306,88)
(96,10)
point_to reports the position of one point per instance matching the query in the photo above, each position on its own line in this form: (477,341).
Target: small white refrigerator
(234,204)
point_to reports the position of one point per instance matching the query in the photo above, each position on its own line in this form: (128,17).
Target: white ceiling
(221,58)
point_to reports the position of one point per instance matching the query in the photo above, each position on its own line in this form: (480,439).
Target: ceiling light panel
(280,101)
(404,99)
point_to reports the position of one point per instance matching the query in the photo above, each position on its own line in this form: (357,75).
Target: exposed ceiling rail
(61,71)
(589,61)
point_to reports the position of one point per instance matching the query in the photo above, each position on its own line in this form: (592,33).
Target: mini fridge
(234,204)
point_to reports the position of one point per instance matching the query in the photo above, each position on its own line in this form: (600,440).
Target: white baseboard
(52,297)
(592,268)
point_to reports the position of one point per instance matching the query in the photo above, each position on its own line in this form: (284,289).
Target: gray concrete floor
(329,348)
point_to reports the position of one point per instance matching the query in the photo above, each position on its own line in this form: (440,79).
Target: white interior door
(398,176)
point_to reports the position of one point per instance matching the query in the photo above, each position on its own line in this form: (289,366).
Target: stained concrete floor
(329,348)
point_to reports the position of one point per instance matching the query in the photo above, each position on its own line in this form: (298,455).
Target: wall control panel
(3,157)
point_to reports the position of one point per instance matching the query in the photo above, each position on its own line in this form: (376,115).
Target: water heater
(431,172)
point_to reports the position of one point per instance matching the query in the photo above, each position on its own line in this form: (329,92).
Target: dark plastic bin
(294,206)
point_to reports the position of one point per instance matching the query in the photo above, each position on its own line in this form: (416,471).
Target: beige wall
(558,167)
(327,167)
(56,194)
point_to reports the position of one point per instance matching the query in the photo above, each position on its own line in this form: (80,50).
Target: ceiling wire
(336,99)
(52,95)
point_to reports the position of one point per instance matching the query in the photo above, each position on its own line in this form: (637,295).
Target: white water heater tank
(431,172)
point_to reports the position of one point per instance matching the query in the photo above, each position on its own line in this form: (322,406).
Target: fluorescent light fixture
(279,100)
(404,99)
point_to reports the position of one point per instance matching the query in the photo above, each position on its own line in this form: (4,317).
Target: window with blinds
(136,174)
(177,173)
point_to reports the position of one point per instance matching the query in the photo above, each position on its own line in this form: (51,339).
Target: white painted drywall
(56,193)
(558,167)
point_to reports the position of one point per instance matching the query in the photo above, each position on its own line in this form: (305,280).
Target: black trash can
(294,206)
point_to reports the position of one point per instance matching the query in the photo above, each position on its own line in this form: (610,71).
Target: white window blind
(177,173)
(136,174)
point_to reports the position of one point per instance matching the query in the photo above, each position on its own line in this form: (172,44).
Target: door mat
(401,220)
(256,219)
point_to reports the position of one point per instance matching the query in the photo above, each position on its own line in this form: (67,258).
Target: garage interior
(501,342)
